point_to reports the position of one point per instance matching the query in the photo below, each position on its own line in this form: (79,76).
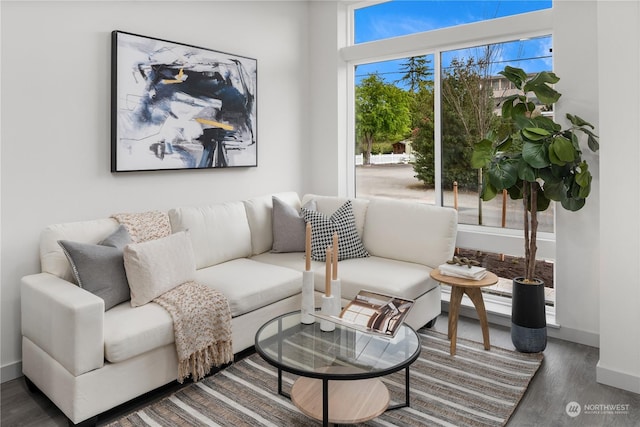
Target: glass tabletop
(343,353)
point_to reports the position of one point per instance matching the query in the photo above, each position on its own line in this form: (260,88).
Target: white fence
(386,159)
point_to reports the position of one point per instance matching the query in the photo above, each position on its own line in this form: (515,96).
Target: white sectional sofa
(88,360)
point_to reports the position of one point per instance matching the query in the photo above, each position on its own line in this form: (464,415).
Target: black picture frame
(179,106)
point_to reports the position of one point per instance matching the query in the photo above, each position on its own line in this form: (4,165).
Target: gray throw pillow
(100,268)
(341,221)
(289,227)
(118,239)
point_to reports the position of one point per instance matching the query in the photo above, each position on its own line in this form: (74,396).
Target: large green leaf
(482,154)
(488,191)
(555,190)
(525,171)
(546,94)
(578,121)
(572,204)
(543,77)
(505,145)
(515,192)
(535,154)
(542,201)
(547,175)
(503,173)
(563,148)
(507,106)
(553,157)
(523,122)
(517,76)
(518,111)
(585,190)
(535,133)
(583,176)
(539,85)
(546,123)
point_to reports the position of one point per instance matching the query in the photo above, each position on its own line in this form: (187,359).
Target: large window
(417,116)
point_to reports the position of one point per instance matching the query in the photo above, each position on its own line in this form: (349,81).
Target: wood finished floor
(568,374)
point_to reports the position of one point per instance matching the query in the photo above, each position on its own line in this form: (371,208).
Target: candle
(327,276)
(335,256)
(307,248)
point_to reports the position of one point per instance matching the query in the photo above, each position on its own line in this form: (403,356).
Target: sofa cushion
(387,276)
(129,331)
(417,232)
(99,268)
(218,232)
(289,227)
(323,227)
(259,216)
(157,266)
(293,260)
(249,285)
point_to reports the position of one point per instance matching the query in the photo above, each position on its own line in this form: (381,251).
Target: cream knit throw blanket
(201,316)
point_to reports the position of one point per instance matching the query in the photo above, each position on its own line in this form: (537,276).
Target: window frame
(435,42)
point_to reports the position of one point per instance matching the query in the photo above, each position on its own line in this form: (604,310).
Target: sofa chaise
(88,360)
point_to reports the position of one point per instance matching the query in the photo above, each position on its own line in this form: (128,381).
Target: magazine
(373,312)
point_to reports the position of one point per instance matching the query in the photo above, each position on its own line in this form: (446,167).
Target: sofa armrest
(64,320)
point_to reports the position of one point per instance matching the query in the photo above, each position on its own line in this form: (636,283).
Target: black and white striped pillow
(323,227)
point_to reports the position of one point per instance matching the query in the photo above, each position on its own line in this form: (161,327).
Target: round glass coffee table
(339,371)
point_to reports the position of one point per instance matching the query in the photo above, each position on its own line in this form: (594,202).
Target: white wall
(575,59)
(56,113)
(328,168)
(619,298)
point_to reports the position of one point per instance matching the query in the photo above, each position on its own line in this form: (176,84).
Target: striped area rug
(473,388)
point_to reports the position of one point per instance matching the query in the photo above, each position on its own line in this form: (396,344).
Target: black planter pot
(528,316)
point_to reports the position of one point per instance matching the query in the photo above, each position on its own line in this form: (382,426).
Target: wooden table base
(350,402)
(475,295)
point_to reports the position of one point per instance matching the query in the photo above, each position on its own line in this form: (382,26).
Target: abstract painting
(177,106)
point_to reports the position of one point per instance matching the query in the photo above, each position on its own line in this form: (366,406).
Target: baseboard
(617,379)
(577,336)
(498,315)
(11,371)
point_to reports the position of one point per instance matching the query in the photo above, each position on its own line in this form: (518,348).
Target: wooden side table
(459,287)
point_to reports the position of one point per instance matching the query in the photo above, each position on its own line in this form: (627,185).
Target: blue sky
(397,18)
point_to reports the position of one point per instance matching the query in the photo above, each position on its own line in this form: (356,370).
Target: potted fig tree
(538,161)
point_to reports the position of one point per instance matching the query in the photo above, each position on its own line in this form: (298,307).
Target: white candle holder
(336,291)
(328,309)
(307,307)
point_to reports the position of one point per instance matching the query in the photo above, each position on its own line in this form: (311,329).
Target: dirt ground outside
(398,182)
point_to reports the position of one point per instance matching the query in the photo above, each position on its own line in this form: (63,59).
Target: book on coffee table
(373,312)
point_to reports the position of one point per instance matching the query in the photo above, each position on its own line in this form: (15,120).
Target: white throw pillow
(157,266)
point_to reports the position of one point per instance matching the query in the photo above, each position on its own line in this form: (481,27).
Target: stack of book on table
(463,271)
(373,312)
